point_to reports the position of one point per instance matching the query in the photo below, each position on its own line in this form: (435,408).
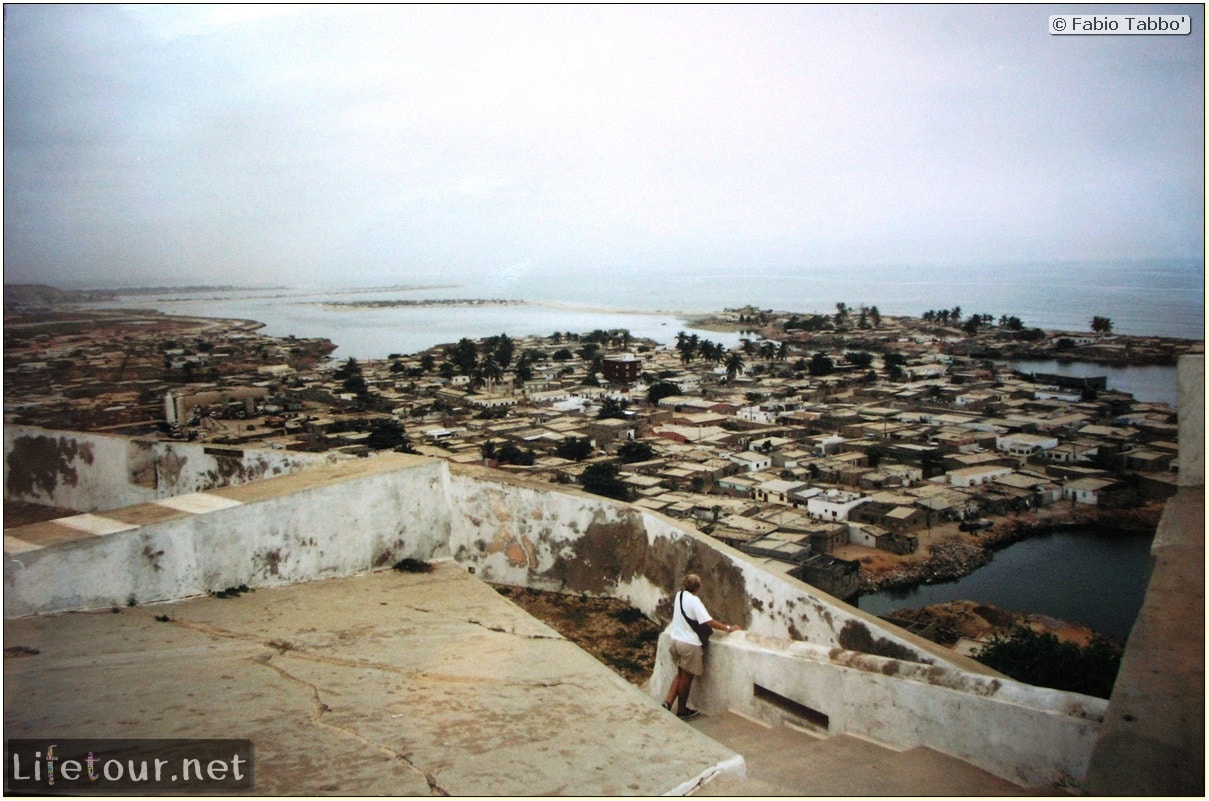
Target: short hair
(691,583)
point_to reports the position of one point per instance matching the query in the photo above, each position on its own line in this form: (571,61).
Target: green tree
(1042,660)
(465,356)
(821,364)
(859,358)
(511,453)
(611,407)
(575,449)
(661,390)
(387,434)
(841,313)
(347,370)
(734,364)
(601,478)
(635,451)
(1101,325)
(502,348)
(523,372)
(492,371)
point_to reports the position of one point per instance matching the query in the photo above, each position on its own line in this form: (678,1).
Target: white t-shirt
(679,628)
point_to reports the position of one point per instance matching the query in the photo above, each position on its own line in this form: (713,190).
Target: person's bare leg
(686,684)
(674,690)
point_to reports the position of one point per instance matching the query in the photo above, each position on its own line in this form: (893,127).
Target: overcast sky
(320,144)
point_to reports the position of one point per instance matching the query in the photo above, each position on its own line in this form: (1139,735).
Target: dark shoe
(687,714)
(667,706)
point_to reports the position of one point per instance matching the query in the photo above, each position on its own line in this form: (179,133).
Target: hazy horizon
(367,146)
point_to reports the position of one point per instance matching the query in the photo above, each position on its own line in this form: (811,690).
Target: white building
(834,505)
(974,476)
(776,491)
(1024,444)
(1086,490)
(751,461)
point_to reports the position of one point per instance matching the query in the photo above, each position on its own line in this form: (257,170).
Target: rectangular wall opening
(811,717)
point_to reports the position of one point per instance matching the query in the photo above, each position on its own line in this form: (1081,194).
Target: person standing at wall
(687,650)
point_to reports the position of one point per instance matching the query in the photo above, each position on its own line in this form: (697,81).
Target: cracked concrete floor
(390,683)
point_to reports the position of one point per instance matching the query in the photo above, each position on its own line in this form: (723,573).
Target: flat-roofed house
(834,504)
(974,476)
(1090,491)
(1024,444)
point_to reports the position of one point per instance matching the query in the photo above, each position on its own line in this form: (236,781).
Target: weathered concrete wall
(87,472)
(1033,736)
(1190,388)
(570,541)
(335,521)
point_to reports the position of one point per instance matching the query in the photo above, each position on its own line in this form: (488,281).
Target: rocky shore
(948,623)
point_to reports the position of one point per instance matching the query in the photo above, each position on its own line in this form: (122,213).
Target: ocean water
(1156,297)
(1162,298)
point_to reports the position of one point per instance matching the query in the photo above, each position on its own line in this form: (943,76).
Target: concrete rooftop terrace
(416,684)
(388,683)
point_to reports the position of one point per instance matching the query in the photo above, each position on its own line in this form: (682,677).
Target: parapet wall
(1032,736)
(86,472)
(570,541)
(1190,387)
(329,522)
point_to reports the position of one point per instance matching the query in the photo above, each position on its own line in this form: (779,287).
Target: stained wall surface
(570,541)
(87,472)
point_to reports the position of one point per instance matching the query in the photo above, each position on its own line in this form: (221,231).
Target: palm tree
(841,313)
(492,371)
(734,364)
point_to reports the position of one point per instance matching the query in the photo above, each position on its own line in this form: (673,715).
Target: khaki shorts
(687,657)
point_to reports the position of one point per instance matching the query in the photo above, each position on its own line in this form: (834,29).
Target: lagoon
(1151,383)
(1095,579)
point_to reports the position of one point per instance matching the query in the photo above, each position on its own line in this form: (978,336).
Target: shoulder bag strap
(684,614)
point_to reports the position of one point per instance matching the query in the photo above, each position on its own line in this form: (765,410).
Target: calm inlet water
(1081,577)
(1151,383)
